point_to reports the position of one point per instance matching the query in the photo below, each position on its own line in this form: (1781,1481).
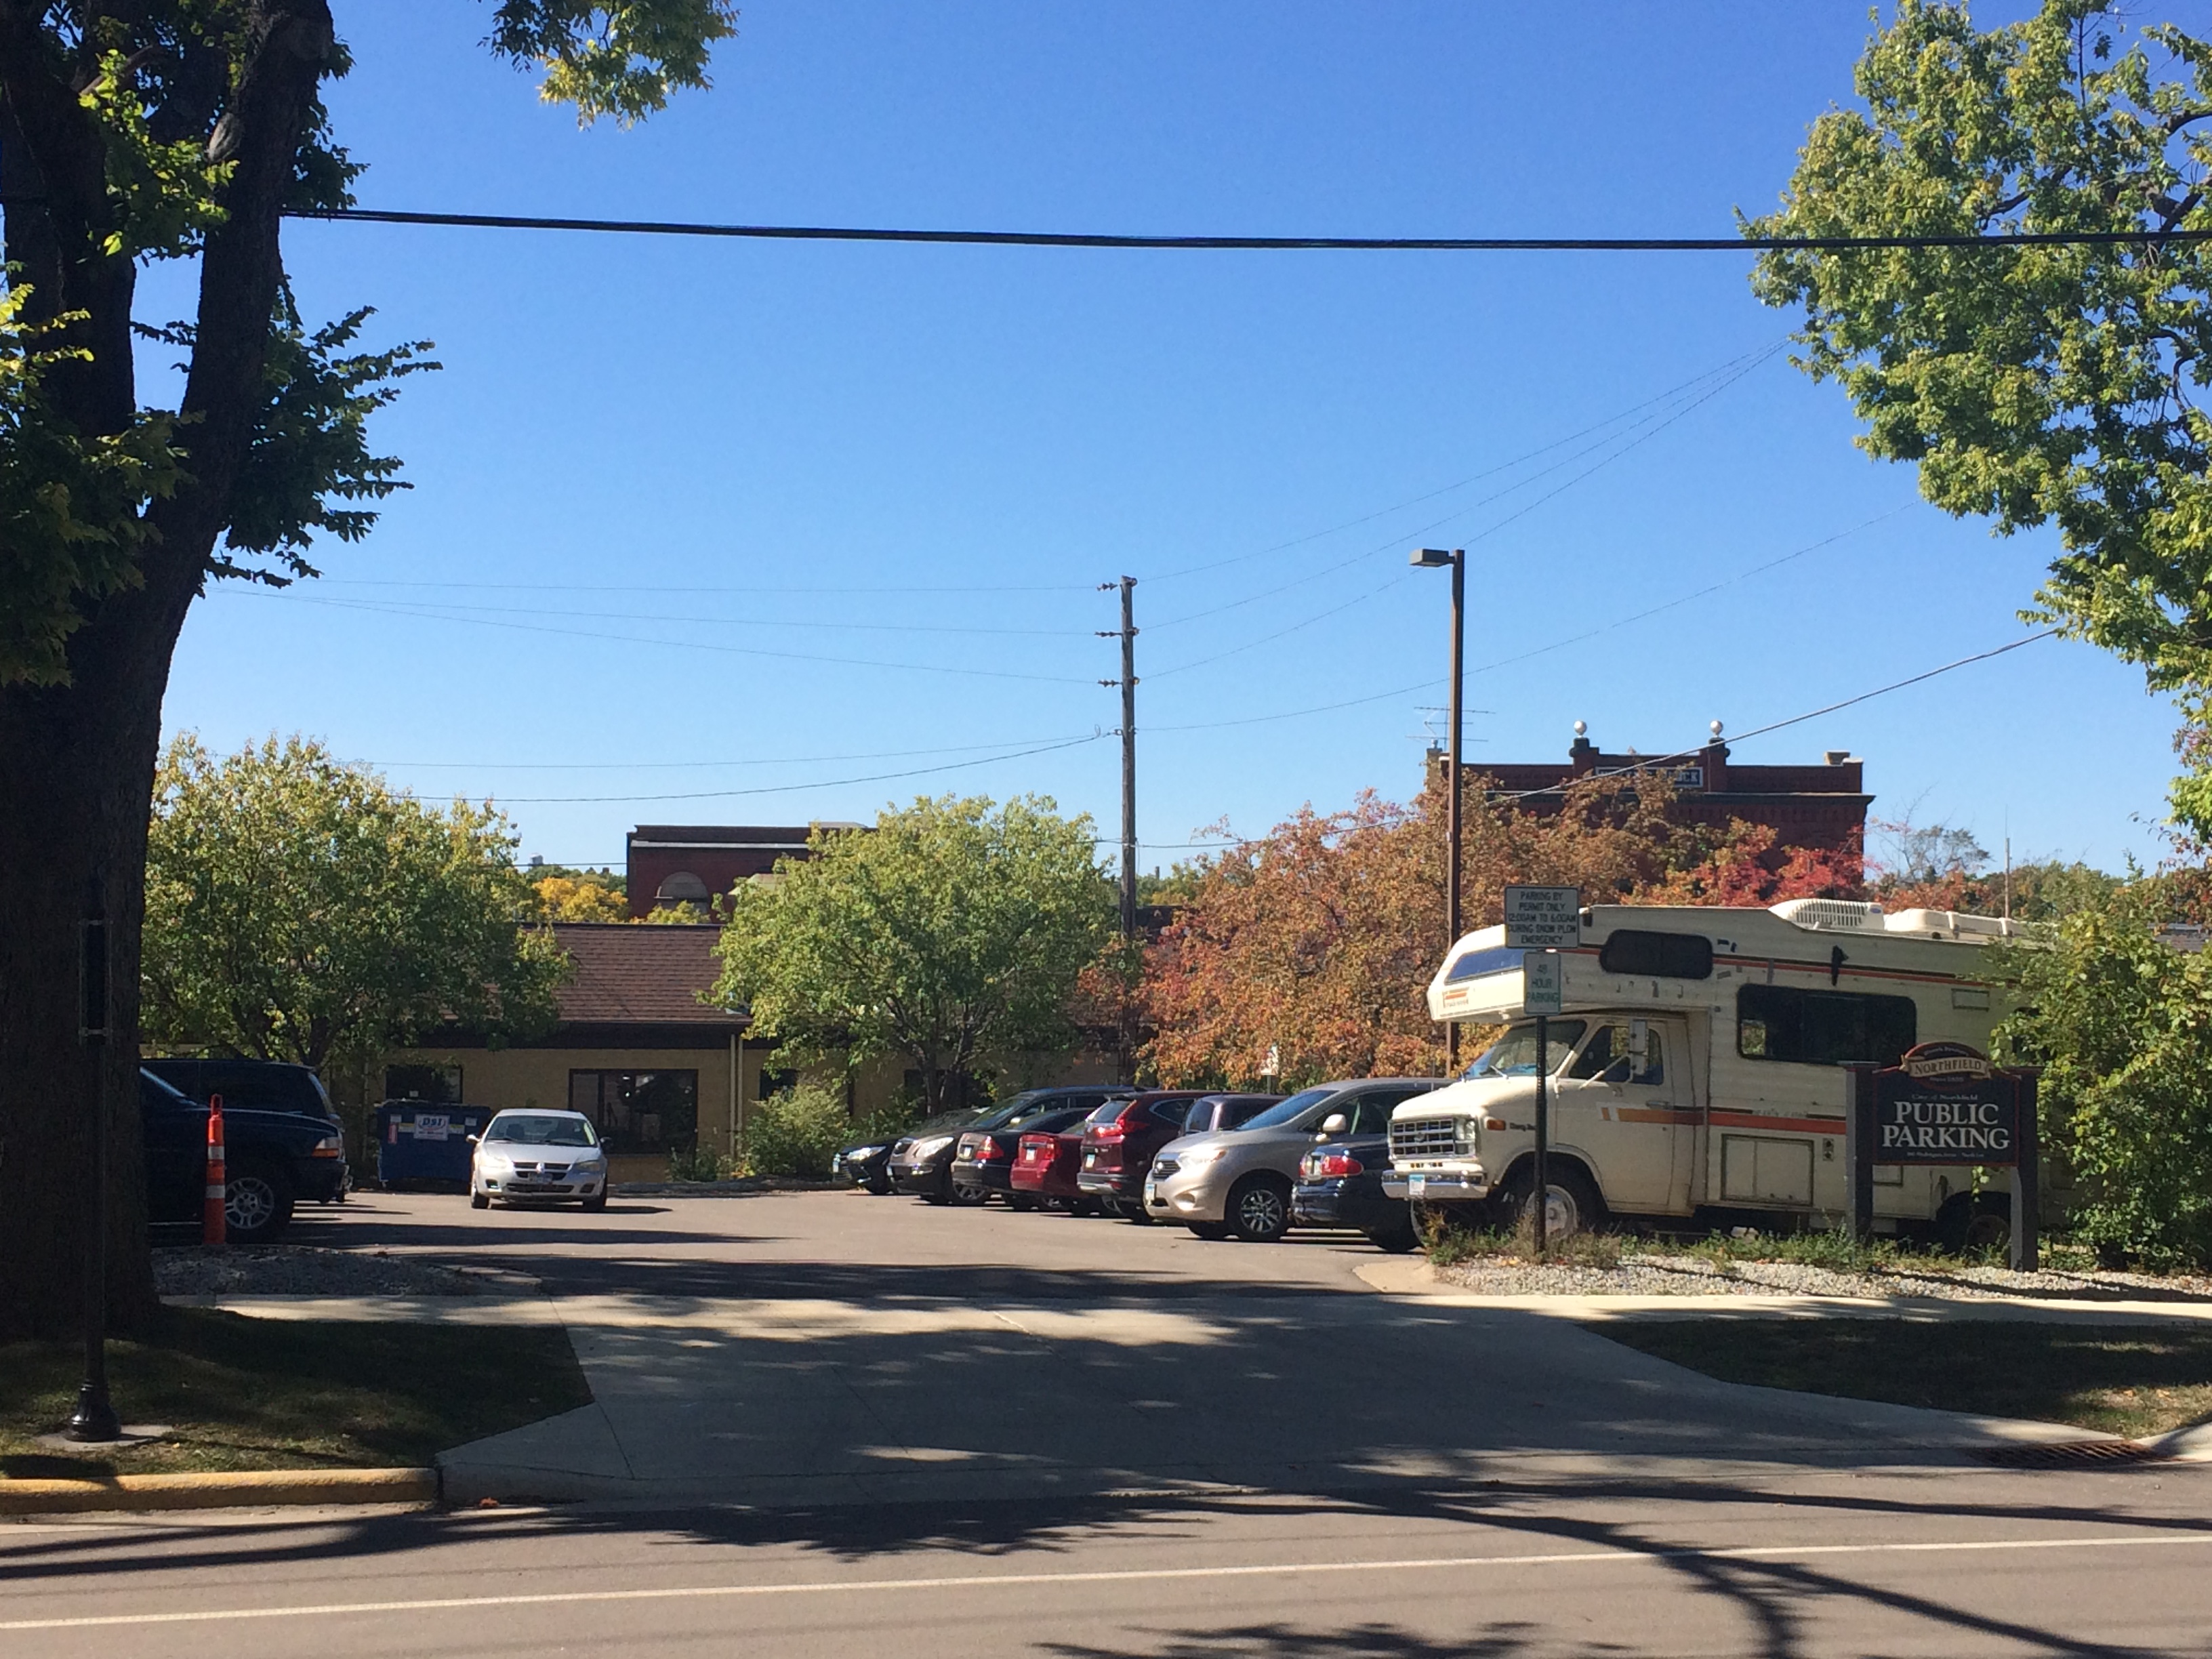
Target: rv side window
(1822,1027)
(1610,1056)
(1666,956)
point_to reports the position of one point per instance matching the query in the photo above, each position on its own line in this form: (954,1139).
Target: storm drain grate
(2071,1454)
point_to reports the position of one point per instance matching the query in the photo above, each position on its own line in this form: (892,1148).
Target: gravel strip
(278,1270)
(743,1187)
(1679,1275)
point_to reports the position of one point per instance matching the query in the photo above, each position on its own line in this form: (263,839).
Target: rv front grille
(1433,1136)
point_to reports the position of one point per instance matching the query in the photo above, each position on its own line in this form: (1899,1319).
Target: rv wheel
(1574,1207)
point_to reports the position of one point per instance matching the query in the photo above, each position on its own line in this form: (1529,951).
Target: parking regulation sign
(1543,918)
(1542,983)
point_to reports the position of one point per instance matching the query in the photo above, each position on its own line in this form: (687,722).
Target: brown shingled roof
(638,974)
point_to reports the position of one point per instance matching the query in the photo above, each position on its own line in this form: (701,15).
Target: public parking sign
(1543,918)
(1944,1104)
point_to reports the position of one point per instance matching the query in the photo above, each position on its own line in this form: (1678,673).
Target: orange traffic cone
(212,1220)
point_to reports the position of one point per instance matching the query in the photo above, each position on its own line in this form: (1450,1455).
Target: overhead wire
(674,645)
(1736,244)
(793,788)
(693,766)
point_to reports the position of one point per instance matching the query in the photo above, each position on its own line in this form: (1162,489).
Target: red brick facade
(679,863)
(1814,807)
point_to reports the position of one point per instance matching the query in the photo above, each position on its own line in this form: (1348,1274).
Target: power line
(1811,714)
(1749,360)
(440,610)
(700,766)
(1261,244)
(793,788)
(753,589)
(666,645)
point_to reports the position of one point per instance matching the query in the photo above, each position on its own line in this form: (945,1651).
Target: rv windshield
(1514,1055)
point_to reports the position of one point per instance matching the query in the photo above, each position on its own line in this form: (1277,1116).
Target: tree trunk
(76,762)
(79,760)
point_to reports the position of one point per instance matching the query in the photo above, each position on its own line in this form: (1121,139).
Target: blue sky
(677,504)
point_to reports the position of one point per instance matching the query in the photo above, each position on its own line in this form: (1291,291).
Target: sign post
(94,1419)
(1944,1104)
(1542,921)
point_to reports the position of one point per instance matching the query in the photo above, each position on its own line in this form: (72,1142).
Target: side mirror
(472,1140)
(1335,1124)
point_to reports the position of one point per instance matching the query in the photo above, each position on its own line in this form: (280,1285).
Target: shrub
(699,1164)
(798,1132)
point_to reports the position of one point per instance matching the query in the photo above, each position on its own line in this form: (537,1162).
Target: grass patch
(1450,1247)
(2129,1380)
(277,1393)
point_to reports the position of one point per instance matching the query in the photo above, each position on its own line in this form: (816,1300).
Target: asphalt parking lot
(826,1424)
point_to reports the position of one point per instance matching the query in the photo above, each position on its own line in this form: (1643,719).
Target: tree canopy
(951,933)
(1311,947)
(297,909)
(2059,384)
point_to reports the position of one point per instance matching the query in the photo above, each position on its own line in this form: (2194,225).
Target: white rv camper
(1696,1066)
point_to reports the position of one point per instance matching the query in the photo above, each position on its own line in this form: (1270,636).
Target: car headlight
(1198,1156)
(588,1160)
(930,1147)
(860,1154)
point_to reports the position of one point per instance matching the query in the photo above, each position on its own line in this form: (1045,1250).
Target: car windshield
(534,1129)
(1514,1055)
(1284,1110)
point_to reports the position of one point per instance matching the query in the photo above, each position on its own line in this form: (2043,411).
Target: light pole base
(95,1419)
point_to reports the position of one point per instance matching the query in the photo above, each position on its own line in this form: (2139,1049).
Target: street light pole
(1435,558)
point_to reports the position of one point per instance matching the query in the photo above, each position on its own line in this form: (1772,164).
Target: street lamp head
(1432,558)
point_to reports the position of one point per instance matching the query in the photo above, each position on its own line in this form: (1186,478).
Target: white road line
(1128,1576)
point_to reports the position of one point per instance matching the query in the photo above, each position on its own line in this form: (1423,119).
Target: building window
(434,1086)
(777,1080)
(639,1111)
(1823,1028)
(682,888)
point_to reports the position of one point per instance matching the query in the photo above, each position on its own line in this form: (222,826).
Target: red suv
(1119,1140)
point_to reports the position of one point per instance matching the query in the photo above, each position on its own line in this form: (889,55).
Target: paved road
(979,1435)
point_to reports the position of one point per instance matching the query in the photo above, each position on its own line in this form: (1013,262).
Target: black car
(270,1160)
(1340,1185)
(920,1160)
(867,1162)
(983,1160)
(1225,1112)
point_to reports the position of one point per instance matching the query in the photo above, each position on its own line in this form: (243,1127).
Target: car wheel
(879,1187)
(256,1204)
(1022,1202)
(1133,1209)
(1210,1230)
(1397,1241)
(1260,1209)
(933,1198)
(479,1201)
(1969,1225)
(973,1197)
(598,1201)
(1085,1207)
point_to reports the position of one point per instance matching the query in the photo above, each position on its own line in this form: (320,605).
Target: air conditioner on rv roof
(1831,916)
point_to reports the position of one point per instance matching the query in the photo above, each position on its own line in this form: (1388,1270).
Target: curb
(253,1487)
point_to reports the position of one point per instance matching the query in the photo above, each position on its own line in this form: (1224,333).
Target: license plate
(1090,1160)
(1416,1185)
(1151,1192)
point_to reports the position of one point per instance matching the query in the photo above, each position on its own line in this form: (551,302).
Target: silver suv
(1238,1181)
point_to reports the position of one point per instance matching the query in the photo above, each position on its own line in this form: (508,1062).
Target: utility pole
(1127,634)
(1455,559)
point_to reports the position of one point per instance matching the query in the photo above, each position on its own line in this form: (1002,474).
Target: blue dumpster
(418,1143)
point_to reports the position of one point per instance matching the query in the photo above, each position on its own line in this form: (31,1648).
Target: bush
(699,1164)
(2121,1022)
(797,1133)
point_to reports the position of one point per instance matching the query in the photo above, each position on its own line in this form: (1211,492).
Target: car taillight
(990,1152)
(1104,1132)
(1328,1166)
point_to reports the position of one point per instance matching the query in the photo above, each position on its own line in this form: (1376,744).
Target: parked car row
(1224,1165)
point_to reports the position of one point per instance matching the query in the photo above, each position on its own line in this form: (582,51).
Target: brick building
(693,863)
(1820,808)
